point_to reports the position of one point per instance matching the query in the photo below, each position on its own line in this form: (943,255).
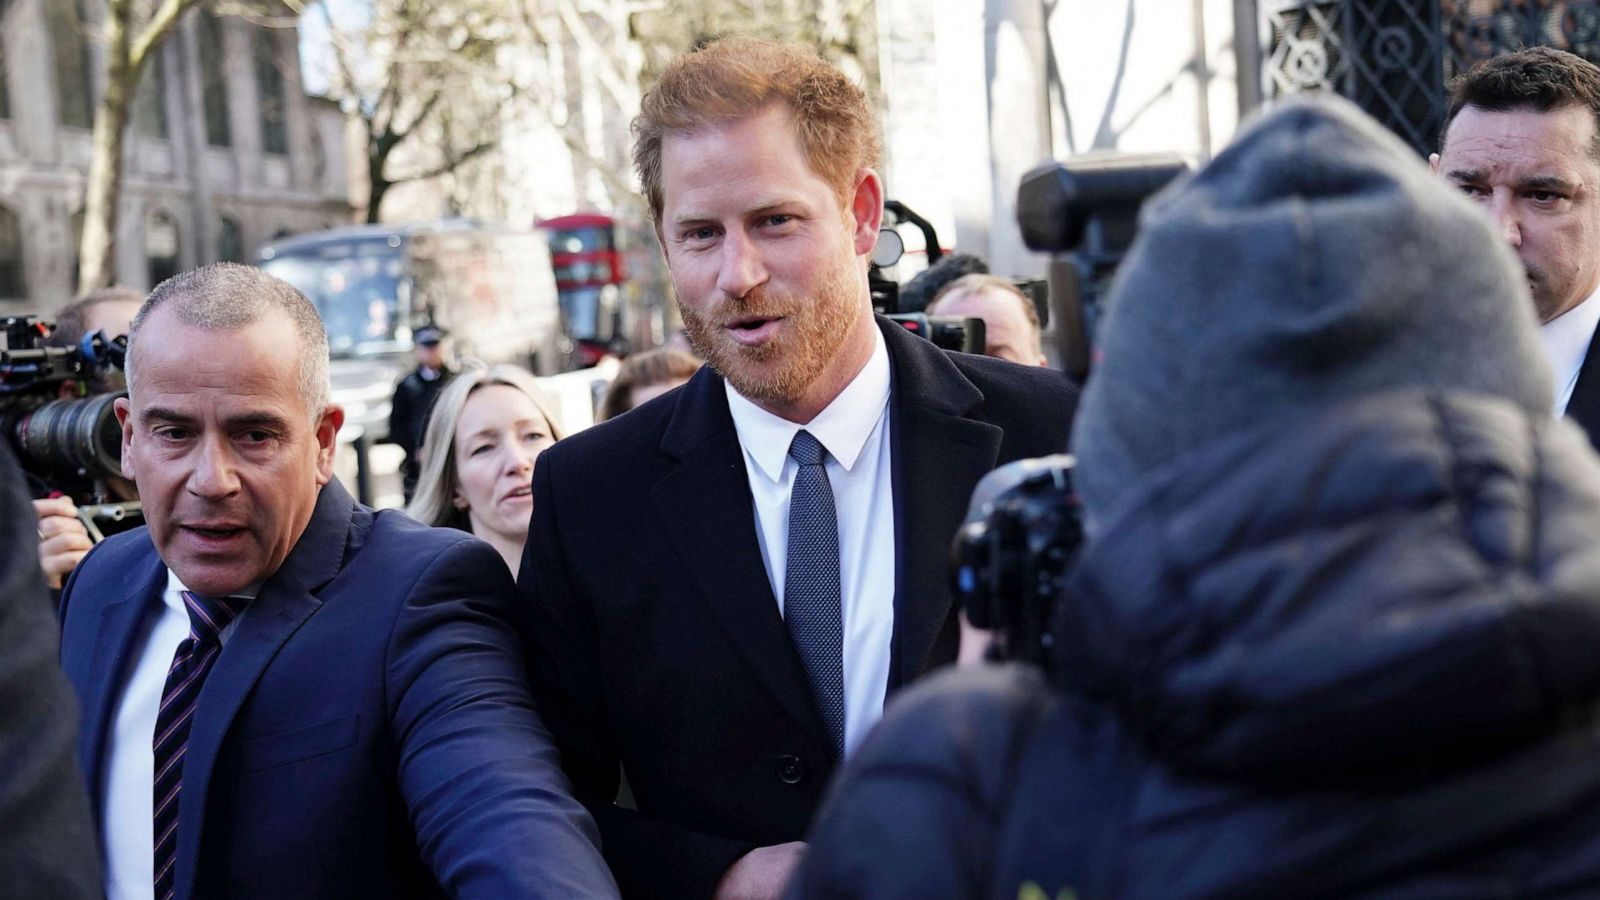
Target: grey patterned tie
(811,604)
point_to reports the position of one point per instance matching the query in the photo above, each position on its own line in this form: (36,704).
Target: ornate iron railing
(1394,57)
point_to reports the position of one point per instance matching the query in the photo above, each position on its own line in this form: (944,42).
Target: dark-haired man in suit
(725,584)
(286,694)
(1522,138)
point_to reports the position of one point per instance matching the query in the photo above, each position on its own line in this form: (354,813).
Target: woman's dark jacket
(1356,655)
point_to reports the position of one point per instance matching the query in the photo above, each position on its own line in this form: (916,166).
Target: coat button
(790,769)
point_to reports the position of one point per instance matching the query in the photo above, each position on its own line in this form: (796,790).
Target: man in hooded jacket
(1333,630)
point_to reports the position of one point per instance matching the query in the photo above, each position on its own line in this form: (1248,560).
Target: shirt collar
(175,588)
(1566,341)
(842,427)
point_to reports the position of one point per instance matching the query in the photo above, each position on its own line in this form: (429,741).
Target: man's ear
(125,419)
(866,208)
(327,434)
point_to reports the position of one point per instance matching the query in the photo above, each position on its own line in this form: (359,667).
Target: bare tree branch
(449,165)
(160,24)
(422,115)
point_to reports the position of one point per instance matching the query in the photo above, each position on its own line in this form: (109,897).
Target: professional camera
(950,332)
(72,446)
(1084,213)
(1011,556)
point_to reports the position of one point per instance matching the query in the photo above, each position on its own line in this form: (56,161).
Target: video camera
(1011,559)
(1085,213)
(1011,556)
(950,332)
(68,445)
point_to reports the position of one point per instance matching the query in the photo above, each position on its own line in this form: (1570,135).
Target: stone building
(225,151)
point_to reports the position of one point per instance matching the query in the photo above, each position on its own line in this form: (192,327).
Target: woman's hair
(643,370)
(434,500)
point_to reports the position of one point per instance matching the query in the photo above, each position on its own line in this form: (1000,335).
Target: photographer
(1333,628)
(63,538)
(1011,325)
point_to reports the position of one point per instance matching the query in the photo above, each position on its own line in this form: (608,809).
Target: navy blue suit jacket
(655,640)
(1584,405)
(367,730)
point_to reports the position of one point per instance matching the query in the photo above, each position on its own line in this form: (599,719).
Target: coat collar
(941,447)
(286,601)
(708,514)
(120,623)
(1584,405)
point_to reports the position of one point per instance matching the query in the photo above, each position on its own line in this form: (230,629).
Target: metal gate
(1394,57)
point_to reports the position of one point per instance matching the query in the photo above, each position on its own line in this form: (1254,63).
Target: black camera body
(949,332)
(1085,213)
(67,445)
(1010,559)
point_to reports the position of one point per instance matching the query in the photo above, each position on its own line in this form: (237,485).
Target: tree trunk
(97,253)
(380,186)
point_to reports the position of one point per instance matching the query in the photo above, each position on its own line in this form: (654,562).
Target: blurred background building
(517,111)
(225,150)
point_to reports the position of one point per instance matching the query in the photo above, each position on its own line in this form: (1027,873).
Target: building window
(214,81)
(5,93)
(77,247)
(150,98)
(11,284)
(269,83)
(70,46)
(161,247)
(230,241)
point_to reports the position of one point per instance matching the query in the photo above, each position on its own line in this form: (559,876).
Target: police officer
(414,397)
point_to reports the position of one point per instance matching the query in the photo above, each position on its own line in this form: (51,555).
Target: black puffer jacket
(1357,656)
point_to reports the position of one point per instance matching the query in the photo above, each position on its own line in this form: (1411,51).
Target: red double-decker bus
(611,284)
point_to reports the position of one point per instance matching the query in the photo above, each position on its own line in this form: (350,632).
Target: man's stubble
(818,329)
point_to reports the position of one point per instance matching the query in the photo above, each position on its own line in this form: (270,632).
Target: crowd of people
(1331,631)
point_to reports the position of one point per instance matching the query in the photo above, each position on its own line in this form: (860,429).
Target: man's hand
(63,540)
(975,642)
(762,873)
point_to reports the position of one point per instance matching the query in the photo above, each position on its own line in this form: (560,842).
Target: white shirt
(1566,343)
(125,824)
(854,429)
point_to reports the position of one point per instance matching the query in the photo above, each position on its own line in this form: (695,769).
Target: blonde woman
(478,450)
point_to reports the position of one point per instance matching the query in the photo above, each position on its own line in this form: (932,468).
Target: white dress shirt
(854,429)
(126,822)
(1566,343)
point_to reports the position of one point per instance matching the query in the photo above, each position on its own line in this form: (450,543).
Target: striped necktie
(194,658)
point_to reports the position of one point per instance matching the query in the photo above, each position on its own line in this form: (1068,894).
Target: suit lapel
(1584,405)
(938,456)
(115,640)
(708,515)
(285,603)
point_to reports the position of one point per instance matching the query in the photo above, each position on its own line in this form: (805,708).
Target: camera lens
(79,436)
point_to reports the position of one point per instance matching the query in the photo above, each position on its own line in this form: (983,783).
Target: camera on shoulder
(57,412)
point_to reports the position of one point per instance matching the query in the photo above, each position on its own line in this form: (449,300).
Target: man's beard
(781,369)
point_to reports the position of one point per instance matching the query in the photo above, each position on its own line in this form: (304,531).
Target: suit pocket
(299,745)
